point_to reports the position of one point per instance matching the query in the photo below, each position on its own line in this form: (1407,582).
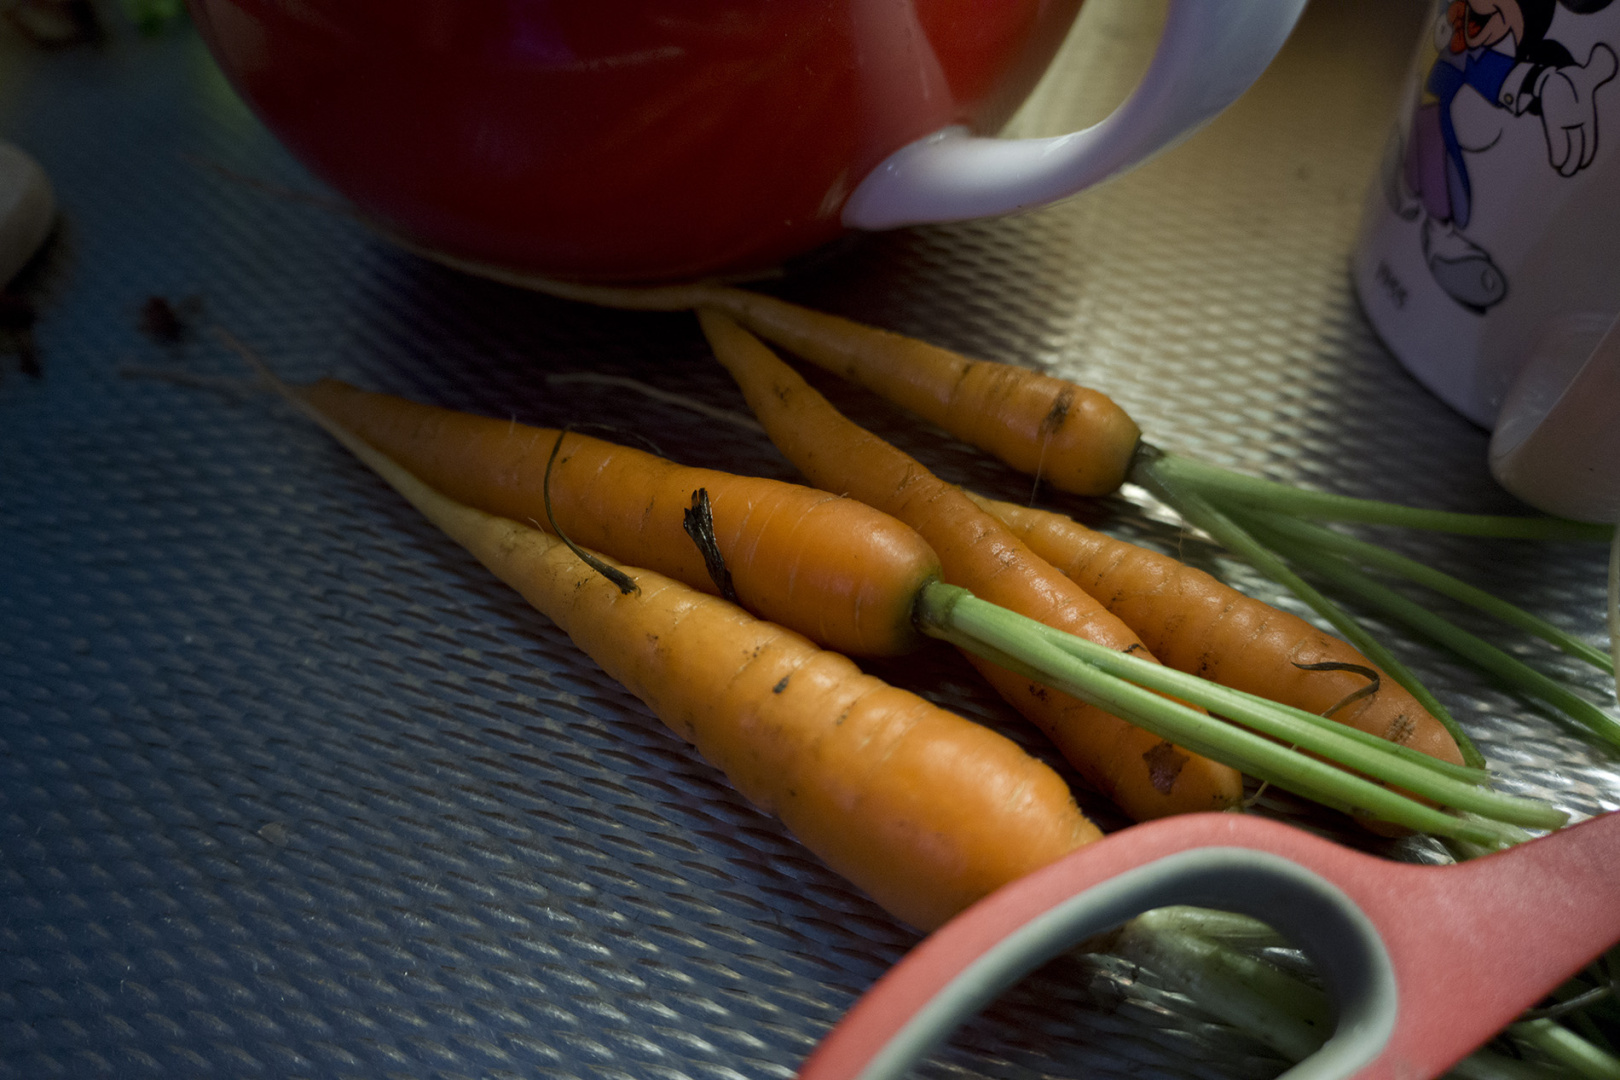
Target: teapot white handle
(1209,53)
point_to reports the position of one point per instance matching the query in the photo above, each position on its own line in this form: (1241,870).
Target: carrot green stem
(1203,955)
(1199,511)
(1575,1055)
(1193,953)
(1285,1014)
(1216,482)
(1372,555)
(1485,1065)
(1309,731)
(959,616)
(1478,651)
(1009,639)
(1614,608)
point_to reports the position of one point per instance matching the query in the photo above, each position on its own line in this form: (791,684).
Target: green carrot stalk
(1577,1056)
(956,614)
(1201,513)
(1480,652)
(1190,952)
(1215,482)
(1484,1065)
(1368,554)
(1255,997)
(1193,730)
(1202,955)
(1315,733)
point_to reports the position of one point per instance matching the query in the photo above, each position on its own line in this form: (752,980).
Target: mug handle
(1209,53)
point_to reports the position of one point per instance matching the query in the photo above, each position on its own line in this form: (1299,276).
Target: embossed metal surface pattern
(291,787)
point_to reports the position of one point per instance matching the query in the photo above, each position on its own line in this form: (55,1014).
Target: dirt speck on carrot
(1164,764)
(161,322)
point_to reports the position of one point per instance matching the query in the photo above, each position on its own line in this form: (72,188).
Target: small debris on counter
(27,210)
(161,322)
(54,24)
(17,316)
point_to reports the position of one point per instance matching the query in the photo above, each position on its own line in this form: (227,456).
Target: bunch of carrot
(980,552)
(876,825)
(1209,629)
(853,578)
(922,810)
(1079,441)
(855,768)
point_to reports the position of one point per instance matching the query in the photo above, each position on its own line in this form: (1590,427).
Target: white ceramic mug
(1557,441)
(1489,260)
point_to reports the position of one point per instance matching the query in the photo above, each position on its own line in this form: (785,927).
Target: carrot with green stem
(1028,420)
(837,454)
(818,553)
(1196,623)
(1032,421)
(1076,438)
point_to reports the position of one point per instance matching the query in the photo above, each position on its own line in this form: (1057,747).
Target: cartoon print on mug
(1495,63)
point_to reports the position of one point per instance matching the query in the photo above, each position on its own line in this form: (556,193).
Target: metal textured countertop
(289,786)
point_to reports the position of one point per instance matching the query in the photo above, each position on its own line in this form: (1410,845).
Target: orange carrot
(1197,624)
(834,569)
(1147,776)
(923,810)
(1075,438)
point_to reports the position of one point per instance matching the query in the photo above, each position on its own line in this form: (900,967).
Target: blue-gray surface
(290,787)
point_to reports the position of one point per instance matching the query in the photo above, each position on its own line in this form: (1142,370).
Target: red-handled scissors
(1413,995)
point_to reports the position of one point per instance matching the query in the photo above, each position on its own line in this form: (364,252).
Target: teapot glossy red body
(623,140)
